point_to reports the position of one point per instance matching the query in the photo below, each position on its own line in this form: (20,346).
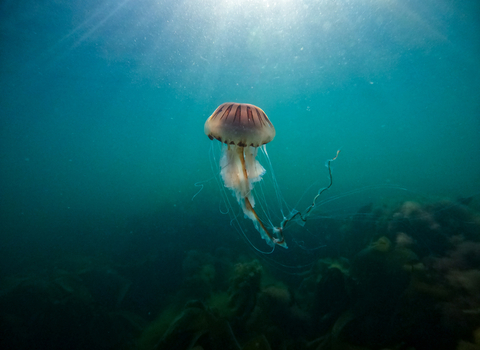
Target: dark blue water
(102,107)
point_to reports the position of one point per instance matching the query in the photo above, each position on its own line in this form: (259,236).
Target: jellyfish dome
(240,124)
(243,128)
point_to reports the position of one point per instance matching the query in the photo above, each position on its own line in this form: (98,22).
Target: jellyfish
(243,128)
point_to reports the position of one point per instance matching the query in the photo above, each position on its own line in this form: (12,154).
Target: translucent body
(244,128)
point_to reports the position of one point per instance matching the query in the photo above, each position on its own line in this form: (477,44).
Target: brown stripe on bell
(226,113)
(238,115)
(250,115)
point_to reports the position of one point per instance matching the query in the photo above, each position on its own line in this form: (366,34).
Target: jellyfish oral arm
(240,171)
(263,230)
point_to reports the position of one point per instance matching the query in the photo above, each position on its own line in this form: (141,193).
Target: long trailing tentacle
(303,216)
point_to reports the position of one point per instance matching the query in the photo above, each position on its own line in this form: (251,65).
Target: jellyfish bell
(244,129)
(240,124)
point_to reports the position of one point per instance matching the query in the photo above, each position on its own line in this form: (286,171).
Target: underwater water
(113,215)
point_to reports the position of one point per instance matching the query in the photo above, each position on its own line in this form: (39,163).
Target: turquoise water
(103,105)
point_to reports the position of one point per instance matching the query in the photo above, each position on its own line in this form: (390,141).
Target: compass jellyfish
(244,129)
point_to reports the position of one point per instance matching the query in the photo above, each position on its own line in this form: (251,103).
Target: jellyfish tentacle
(304,216)
(323,189)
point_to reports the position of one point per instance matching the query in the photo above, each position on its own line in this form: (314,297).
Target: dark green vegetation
(406,277)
